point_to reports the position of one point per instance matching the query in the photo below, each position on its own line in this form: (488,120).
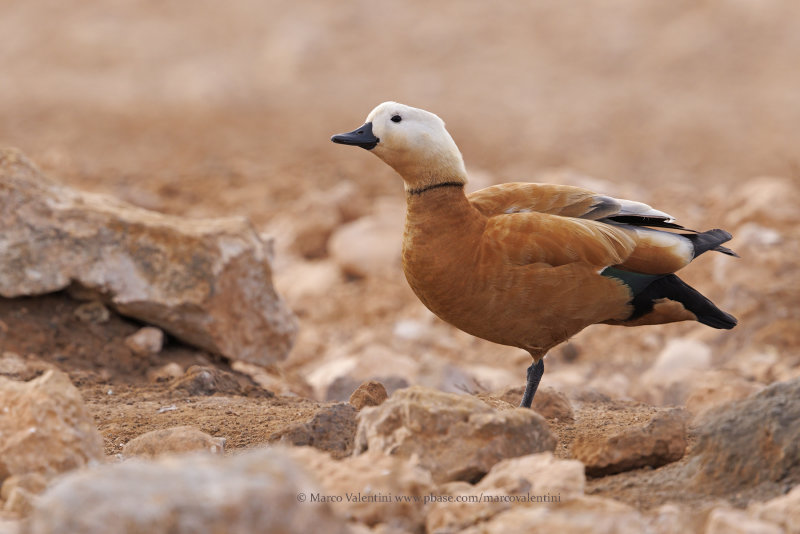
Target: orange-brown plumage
(487,277)
(529,265)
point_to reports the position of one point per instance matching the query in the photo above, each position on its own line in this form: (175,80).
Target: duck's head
(414,142)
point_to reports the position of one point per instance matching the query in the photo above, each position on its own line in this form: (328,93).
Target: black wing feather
(639,220)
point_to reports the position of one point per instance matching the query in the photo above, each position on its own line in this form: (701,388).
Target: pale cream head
(415,143)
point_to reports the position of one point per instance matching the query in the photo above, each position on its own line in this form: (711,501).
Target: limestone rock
(533,480)
(369,246)
(762,365)
(614,386)
(322,212)
(207,282)
(548,402)
(783,511)
(45,427)
(147,340)
(369,484)
(173,440)
(512,395)
(456,437)
(20,502)
(313,230)
(495,402)
(256,491)
(331,429)
(671,518)
(32,482)
(749,442)
(414,330)
(369,393)
(671,377)
(724,520)
(536,474)
(306,282)
(661,441)
(14,366)
(19,492)
(583,515)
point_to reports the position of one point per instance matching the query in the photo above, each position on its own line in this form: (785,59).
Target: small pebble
(165,373)
(148,340)
(370,393)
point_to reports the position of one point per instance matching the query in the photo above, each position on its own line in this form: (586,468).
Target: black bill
(362,137)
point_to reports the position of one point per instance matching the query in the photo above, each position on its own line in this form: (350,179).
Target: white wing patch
(676,242)
(631,207)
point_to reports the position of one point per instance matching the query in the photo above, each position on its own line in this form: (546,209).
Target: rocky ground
(188,264)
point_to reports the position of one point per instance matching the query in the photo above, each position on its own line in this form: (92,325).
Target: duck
(530,265)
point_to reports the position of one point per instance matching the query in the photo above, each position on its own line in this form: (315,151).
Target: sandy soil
(212,110)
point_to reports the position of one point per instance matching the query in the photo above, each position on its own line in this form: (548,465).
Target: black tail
(673,288)
(711,240)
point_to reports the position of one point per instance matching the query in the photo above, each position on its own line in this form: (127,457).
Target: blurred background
(208,108)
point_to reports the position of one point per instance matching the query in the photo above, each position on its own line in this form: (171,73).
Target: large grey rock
(331,429)
(205,281)
(258,491)
(455,437)
(750,442)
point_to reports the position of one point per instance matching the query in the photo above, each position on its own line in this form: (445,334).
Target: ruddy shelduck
(525,264)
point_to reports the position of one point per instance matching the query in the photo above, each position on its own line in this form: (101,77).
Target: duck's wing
(532,237)
(639,260)
(594,224)
(526,238)
(567,201)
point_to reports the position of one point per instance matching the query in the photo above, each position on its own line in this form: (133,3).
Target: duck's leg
(535,372)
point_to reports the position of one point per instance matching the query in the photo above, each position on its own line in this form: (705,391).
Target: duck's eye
(396,118)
